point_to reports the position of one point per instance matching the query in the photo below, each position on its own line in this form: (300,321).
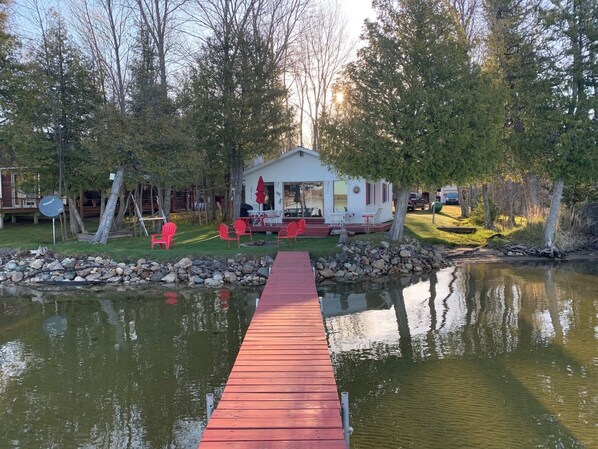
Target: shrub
(477,214)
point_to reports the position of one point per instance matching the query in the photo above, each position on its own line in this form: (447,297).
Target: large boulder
(36,264)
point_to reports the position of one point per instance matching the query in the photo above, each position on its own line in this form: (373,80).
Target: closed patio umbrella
(260,192)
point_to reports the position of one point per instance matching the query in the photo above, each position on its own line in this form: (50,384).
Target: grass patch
(531,234)
(190,241)
(419,225)
(196,241)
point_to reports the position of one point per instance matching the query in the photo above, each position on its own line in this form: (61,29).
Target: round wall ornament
(356,189)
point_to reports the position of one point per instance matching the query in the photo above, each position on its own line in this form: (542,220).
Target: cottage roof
(288,154)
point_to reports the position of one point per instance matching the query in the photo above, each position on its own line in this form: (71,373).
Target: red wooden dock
(281,392)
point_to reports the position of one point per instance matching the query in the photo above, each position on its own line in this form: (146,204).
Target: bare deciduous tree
(105,26)
(231,25)
(318,56)
(161,20)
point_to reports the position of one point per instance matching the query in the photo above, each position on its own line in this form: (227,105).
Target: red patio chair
(242,228)
(165,238)
(301,226)
(289,233)
(225,234)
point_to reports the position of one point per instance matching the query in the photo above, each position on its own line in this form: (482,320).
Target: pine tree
(415,111)
(572,28)
(50,112)
(158,141)
(239,105)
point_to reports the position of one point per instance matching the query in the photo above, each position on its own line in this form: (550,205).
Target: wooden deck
(321,229)
(281,392)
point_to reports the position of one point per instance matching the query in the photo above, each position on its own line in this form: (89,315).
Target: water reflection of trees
(468,310)
(130,370)
(507,327)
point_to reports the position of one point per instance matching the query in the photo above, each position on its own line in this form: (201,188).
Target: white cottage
(298,184)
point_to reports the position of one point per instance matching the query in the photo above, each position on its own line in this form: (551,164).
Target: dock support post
(257,302)
(347,429)
(209,405)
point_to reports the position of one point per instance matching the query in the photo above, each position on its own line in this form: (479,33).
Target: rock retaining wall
(357,260)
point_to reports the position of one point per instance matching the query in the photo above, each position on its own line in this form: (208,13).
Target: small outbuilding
(298,184)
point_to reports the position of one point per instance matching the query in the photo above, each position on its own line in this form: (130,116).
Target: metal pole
(433,211)
(209,405)
(54,230)
(347,429)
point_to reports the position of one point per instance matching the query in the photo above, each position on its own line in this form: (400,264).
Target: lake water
(477,356)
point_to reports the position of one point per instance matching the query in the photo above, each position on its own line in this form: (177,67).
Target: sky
(356,12)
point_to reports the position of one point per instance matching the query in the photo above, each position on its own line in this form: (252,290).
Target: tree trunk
(473,197)
(486,198)
(122,209)
(511,203)
(462,203)
(551,222)
(72,221)
(398,224)
(236,186)
(532,197)
(107,217)
(81,203)
(77,217)
(167,201)
(152,211)
(137,201)
(102,201)
(62,221)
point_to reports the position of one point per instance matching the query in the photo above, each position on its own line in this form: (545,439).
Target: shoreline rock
(358,260)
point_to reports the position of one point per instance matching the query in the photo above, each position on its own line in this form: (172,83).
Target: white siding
(295,167)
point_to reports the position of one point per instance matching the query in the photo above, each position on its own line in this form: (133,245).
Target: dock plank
(268,444)
(281,392)
(273,434)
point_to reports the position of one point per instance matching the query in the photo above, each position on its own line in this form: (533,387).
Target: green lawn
(197,241)
(190,240)
(419,224)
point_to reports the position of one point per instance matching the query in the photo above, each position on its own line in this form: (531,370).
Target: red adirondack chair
(241,228)
(225,234)
(289,233)
(165,238)
(301,226)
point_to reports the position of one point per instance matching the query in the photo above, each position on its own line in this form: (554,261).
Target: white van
(449,195)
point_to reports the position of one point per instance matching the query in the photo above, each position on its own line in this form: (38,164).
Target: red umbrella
(260,193)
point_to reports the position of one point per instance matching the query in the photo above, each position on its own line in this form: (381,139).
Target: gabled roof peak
(290,153)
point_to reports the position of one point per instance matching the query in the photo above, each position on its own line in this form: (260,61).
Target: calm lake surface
(476,356)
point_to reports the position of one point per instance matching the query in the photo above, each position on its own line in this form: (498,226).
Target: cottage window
(370,193)
(340,196)
(384,192)
(303,199)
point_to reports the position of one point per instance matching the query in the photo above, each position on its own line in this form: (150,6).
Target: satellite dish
(51,206)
